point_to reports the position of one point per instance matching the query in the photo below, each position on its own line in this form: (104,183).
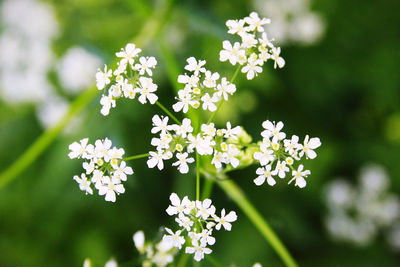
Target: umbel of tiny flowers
(131,77)
(160,254)
(202,88)
(197,221)
(277,155)
(104,167)
(254,49)
(179,140)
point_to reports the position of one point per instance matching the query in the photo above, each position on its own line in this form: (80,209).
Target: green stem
(213,261)
(207,188)
(46,138)
(222,100)
(149,30)
(183,259)
(168,112)
(136,157)
(197,176)
(238,196)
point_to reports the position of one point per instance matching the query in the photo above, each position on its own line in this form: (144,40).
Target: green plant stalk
(168,112)
(149,30)
(136,157)
(46,138)
(238,196)
(197,176)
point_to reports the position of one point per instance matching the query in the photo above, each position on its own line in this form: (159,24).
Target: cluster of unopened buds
(178,138)
(128,79)
(104,167)
(198,219)
(277,155)
(253,50)
(201,88)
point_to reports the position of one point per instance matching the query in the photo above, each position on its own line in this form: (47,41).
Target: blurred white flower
(76,69)
(292,21)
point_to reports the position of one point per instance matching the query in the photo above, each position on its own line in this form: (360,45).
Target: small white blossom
(84,183)
(225,220)
(195,66)
(103,78)
(128,54)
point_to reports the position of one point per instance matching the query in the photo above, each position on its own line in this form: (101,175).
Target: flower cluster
(180,139)
(198,220)
(128,79)
(201,88)
(159,254)
(277,155)
(356,214)
(254,49)
(104,167)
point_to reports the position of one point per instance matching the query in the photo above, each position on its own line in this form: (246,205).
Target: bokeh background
(341,83)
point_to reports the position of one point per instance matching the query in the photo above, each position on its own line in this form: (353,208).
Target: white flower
(111,263)
(255,23)
(198,250)
(273,130)
(110,188)
(178,206)
(122,171)
(230,132)
(253,66)
(208,129)
(89,167)
(210,79)
(265,156)
(257,265)
(107,103)
(184,128)
(146,64)
(278,60)
(231,53)
(264,173)
(205,209)
(147,87)
(80,149)
(160,124)
(192,80)
(235,26)
(84,183)
(203,145)
(156,159)
(103,78)
(309,146)
(281,169)
(102,149)
(225,88)
(208,102)
(299,176)
(182,162)
(225,220)
(174,238)
(195,66)
(292,145)
(184,221)
(184,100)
(128,54)
(138,239)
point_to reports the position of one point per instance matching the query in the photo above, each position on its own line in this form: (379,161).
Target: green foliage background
(345,89)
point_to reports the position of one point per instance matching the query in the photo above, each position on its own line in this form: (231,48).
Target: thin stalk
(238,196)
(136,157)
(149,30)
(213,261)
(222,100)
(197,176)
(31,154)
(207,188)
(183,259)
(168,112)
